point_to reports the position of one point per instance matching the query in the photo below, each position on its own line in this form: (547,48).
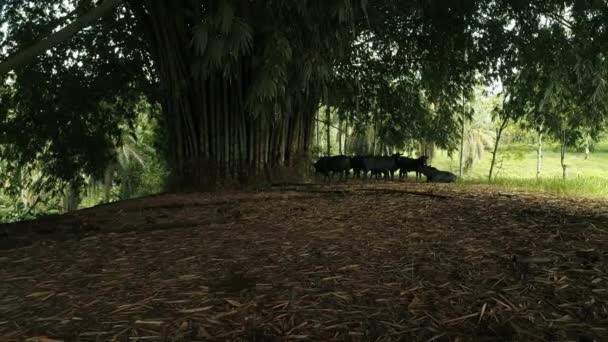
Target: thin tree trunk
(268,137)
(374,139)
(339,136)
(499,131)
(328,125)
(563,152)
(412,148)
(427,149)
(225,166)
(461,159)
(71,198)
(108,180)
(587,146)
(283,145)
(257,134)
(539,154)
(346,133)
(318,127)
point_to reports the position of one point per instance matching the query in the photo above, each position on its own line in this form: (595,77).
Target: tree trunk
(539,154)
(563,151)
(461,159)
(213,138)
(108,180)
(587,145)
(339,136)
(346,141)
(430,150)
(328,126)
(374,142)
(71,198)
(318,124)
(499,131)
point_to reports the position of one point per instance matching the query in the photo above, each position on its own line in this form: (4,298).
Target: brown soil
(395,262)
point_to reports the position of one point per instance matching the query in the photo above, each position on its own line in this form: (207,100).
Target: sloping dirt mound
(400,262)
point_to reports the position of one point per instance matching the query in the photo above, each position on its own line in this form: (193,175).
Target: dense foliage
(61,115)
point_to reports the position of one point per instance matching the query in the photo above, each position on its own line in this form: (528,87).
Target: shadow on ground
(389,262)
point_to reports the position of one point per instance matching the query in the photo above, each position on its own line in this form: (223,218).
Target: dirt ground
(394,262)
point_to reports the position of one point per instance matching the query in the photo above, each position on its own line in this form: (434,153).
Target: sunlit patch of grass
(516,169)
(520,162)
(601,147)
(594,187)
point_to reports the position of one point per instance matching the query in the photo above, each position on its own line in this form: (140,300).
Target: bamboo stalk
(226,140)
(204,135)
(212,123)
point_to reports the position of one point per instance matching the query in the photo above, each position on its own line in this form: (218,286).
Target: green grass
(593,187)
(601,147)
(516,169)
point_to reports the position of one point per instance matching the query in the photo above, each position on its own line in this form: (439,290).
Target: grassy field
(516,169)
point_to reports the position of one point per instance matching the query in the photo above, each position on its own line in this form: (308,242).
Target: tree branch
(331,125)
(559,19)
(58,37)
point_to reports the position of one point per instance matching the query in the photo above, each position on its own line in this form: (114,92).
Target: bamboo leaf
(245,33)
(200,38)
(226,15)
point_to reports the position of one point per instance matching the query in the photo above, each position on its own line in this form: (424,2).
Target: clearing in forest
(409,262)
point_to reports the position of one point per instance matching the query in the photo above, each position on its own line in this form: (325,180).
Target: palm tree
(476,139)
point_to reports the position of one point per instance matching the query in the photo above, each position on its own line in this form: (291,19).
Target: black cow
(406,165)
(434,175)
(328,166)
(358,165)
(381,165)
